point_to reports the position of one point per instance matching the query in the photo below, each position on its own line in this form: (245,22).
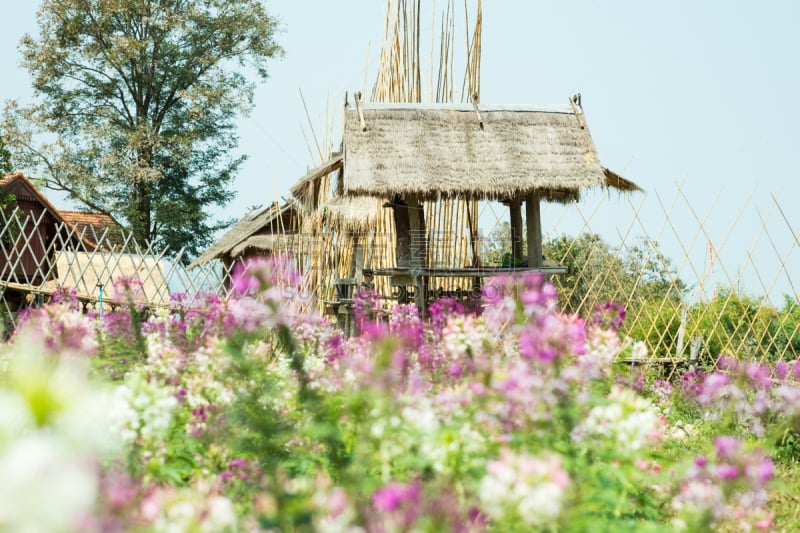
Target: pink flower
(765,524)
(727,472)
(391,496)
(764,471)
(726,447)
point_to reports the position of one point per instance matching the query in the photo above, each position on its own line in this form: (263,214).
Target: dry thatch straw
(266,244)
(333,225)
(311,189)
(348,214)
(615,181)
(441,150)
(265,221)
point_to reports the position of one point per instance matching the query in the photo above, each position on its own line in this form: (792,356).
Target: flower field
(245,415)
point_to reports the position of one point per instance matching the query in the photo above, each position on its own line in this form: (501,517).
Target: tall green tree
(138,100)
(6,199)
(5,158)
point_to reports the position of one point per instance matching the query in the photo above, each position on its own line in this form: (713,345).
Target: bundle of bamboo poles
(452,224)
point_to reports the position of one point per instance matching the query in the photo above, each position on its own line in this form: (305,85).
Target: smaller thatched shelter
(357,215)
(261,232)
(307,188)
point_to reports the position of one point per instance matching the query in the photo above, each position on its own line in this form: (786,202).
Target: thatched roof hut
(262,230)
(348,214)
(496,152)
(306,190)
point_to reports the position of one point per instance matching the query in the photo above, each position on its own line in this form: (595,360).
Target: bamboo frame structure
(450,234)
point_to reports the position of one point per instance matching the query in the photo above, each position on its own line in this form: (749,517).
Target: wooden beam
(533,216)
(578,114)
(515,207)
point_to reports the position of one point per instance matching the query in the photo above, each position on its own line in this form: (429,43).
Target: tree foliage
(5,158)
(597,272)
(7,199)
(138,99)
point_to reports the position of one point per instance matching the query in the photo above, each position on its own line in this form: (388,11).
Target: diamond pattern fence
(697,284)
(698,278)
(40,256)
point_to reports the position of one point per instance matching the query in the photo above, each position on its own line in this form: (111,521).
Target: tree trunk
(141,201)
(140,207)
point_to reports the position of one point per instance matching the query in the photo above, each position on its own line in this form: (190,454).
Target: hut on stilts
(344,235)
(398,206)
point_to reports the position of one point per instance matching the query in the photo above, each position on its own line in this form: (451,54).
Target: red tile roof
(93,225)
(80,219)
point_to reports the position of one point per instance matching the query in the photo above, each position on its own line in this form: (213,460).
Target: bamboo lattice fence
(694,289)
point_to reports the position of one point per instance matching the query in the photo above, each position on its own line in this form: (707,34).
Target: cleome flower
(627,422)
(523,487)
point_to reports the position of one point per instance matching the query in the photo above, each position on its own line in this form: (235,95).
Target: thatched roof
(443,149)
(303,190)
(616,181)
(263,221)
(349,214)
(266,243)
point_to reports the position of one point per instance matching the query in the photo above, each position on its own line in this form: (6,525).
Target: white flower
(16,416)
(628,422)
(221,515)
(639,350)
(523,487)
(142,409)
(464,334)
(44,486)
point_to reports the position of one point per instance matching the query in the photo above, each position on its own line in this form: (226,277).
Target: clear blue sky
(699,93)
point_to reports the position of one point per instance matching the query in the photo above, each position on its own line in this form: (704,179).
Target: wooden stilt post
(419,249)
(533,217)
(515,207)
(402,232)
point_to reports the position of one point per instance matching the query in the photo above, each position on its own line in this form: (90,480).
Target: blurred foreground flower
(54,432)
(522,487)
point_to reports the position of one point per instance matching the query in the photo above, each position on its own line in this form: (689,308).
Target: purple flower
(390,497)
(609,315)
(237,463)
(727,472)
(712,385)
(781,370)
(443,308)
(405,323)
(554,336)
(726,447)
(764,471)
